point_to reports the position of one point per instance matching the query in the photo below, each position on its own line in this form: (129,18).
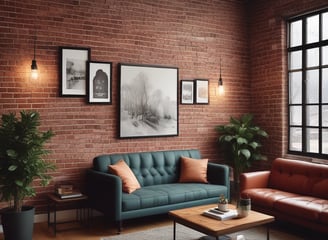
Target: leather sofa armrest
(258,179)
(104,193)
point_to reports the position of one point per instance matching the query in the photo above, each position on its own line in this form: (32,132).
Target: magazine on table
(220,215)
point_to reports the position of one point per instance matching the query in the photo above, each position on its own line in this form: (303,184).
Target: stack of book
(66,191)
(220,215)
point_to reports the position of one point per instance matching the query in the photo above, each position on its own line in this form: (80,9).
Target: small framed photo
(99,84)
(73,71)
(187,91)
(201,91)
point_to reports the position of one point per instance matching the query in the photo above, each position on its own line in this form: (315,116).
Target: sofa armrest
(258,179)
(104,192)
(219,174)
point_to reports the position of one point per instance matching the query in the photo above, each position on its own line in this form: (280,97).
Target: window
(308,84)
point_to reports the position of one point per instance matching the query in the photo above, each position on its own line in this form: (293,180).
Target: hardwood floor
(98,228)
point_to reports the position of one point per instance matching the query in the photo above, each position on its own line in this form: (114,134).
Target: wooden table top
(193,218)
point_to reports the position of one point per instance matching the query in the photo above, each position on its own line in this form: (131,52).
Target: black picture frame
(201,91)
(187,92)
(99,84)
(73,71)
(148,101)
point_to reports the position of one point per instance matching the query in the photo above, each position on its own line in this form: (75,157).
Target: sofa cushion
(165,194)
(193,170)
(303,178)
(129,181)
(324,212)
(266,197)
(150,168)
(302,207)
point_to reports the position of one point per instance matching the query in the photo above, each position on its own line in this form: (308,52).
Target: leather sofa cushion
(165,194)
(306,207)
(324,214)
(302,207)
(267,197)
(299,177)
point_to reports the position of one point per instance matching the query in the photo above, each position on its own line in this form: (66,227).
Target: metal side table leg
(174,230)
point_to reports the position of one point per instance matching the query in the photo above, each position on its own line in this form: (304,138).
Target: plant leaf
(246,153)
(241,140)
(254,145)
(12,168)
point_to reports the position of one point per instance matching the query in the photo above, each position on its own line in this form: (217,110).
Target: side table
(79,203)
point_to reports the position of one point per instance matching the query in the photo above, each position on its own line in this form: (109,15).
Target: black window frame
(304,47)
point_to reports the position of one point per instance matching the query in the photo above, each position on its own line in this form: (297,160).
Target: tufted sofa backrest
(300,177)
(150,168)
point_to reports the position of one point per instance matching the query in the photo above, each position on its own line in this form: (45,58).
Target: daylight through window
(308,84)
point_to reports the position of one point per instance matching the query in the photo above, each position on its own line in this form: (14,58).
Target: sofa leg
(119,227)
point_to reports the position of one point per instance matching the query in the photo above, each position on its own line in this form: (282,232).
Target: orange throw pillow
(193,170)
(129,180)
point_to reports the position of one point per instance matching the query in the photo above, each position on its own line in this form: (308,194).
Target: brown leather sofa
(293,191)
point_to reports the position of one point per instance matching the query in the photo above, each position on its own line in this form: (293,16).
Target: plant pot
(18,226)
(243,207)
(223,207)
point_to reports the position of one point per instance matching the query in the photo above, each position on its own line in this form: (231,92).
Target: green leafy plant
(240,139)
(21,157)
(223,199)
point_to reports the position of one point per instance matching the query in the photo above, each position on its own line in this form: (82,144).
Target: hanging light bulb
(220,83)
(34,66)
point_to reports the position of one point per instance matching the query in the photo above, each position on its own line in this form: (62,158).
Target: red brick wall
(191,35)
(268,66)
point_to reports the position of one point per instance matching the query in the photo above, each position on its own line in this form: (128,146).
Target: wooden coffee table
(193,218)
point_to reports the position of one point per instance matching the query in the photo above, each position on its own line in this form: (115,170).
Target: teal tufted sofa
(160,192)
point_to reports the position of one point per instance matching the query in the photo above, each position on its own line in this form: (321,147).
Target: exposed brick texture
(249,36)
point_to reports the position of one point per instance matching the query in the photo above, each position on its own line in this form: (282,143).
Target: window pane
(312,86)
(296,33)
(325,141)
(312,140)
(325,26)
(312,116)
(295,60)
(312,57)
(324,89)
(295,86)
(295,142)
(312,29)
(325,56)
(295,115)
(325,116)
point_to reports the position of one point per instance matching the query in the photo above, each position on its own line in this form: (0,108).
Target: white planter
(223,207)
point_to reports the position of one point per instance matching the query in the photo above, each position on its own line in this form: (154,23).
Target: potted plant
(223,203)
(21,161)
(240,139)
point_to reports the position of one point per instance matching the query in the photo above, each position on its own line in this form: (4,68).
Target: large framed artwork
(201,91)
(148,101)
(73,71)
(99,86)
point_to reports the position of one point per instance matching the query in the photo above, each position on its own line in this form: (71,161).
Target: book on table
(220,215)
(73,194)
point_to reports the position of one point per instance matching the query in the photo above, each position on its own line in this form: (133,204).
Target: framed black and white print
(148,101)
(187,91)
(201,91)
(99,82)
(73,71)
